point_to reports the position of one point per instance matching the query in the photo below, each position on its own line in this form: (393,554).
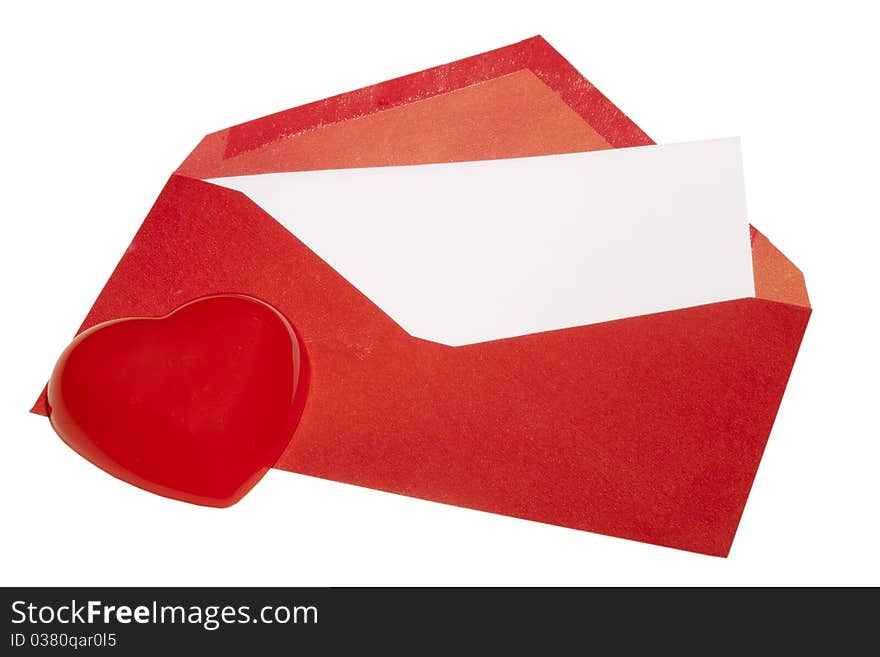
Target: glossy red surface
(196,405)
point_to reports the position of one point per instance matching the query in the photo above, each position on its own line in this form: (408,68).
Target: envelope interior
(513,115)
(476,251)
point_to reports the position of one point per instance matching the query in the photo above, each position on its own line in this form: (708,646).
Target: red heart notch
(196,405)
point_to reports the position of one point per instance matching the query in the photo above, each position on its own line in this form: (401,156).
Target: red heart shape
(196,405)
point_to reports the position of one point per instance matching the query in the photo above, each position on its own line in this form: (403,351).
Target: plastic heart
(195,405)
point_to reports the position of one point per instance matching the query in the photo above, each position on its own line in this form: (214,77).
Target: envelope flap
(520,100)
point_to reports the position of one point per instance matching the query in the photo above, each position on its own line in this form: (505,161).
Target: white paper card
(473,251)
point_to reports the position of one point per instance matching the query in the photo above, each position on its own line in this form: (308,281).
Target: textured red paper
(649,428)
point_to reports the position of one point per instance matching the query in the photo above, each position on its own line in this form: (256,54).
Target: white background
(100,104)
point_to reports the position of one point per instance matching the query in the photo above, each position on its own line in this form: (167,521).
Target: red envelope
(649,428)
